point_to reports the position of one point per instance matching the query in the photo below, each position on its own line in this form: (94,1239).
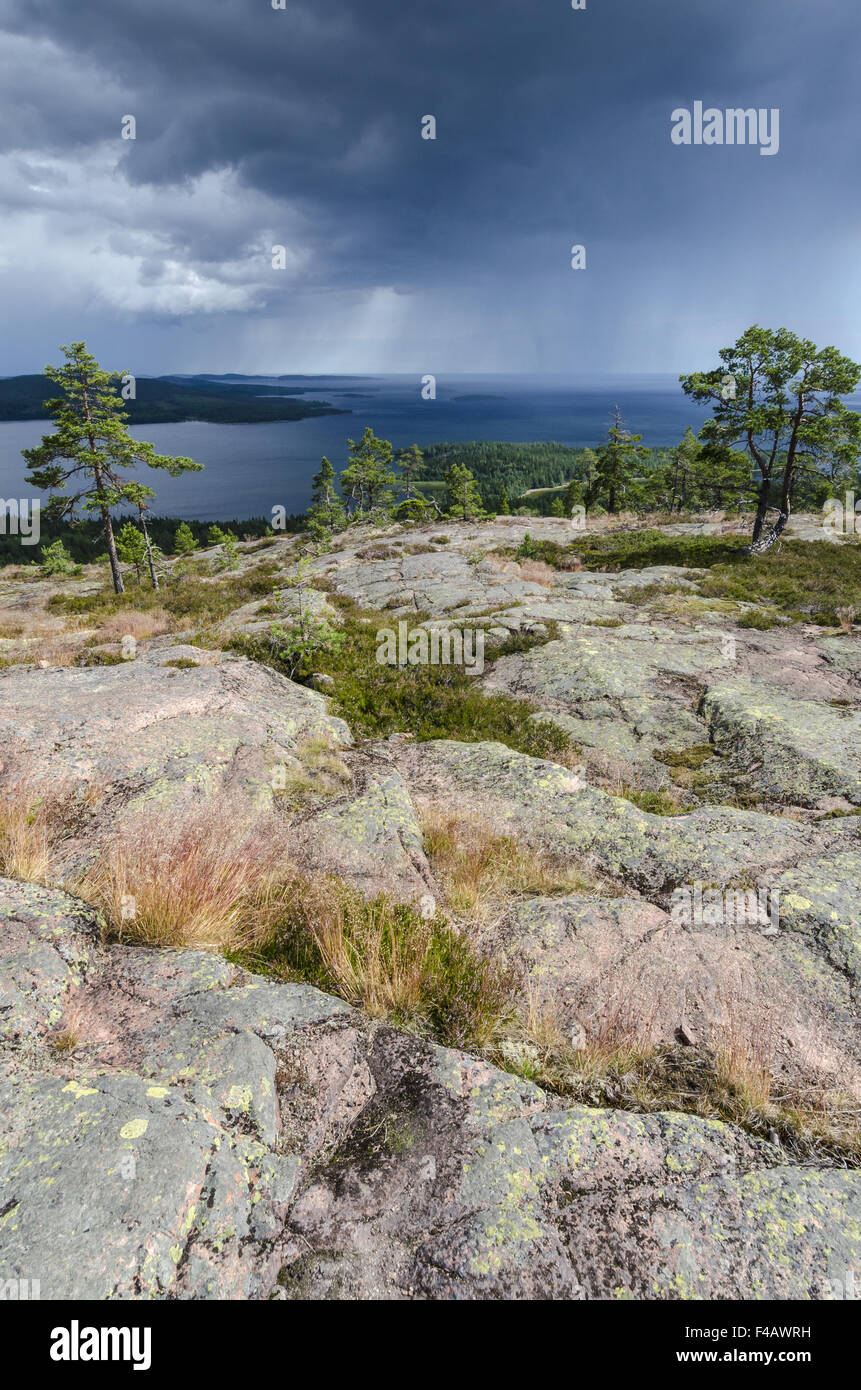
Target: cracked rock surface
(217,1136)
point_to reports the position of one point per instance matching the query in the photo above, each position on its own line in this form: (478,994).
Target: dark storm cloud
(553,128)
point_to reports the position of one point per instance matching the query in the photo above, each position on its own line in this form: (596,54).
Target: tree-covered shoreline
(167,401)
(779,438)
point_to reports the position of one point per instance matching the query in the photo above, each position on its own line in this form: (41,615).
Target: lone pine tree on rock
(91,447)
(776,397)
(131,547)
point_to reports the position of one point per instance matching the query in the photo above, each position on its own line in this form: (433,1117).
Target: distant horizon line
(377,376)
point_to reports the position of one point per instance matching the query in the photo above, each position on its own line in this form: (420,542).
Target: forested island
(166,400)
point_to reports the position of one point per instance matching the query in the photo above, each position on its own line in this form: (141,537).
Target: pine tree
(776,397)
(682,473)
(183,541)
(229,557)
(57,560)
(326,512)
(617,459)
(131,548)
(368,479)
(573,495)
(464,498)
(412,465)
(699,477)
(504,504)
(588,470)
(91,445)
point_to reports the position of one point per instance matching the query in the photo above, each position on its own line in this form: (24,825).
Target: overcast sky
(302,127)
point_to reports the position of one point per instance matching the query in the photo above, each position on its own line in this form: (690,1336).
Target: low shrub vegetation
(429,702)
(731,1078)
(187,600)
(208,880)
(809,581)
(388,959)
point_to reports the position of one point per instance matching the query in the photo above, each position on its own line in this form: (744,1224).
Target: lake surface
(249,469)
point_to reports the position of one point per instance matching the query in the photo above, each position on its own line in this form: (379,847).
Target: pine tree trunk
(759,544)
(772,535)
(761,509)
(119,587)
(150,562)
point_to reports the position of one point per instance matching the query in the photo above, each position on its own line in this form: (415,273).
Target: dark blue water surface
(251,468)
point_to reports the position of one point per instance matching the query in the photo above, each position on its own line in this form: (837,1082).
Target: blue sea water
(248,469)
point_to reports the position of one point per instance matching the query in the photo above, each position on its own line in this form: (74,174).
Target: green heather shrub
(429,702)
(758,618)
(804,580)
(660,803)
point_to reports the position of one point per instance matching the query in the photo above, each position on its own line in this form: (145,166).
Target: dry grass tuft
(389,959)
(200,881)
(31,827)
(69,1034)
(613,1060)
(537,572)
(131,622)
(617,1039)
(534,571)
(479,868)
(846,618)
(42,639)
(744,1048)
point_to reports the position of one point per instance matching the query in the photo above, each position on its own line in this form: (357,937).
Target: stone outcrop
(217,1136)
(175,1126)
